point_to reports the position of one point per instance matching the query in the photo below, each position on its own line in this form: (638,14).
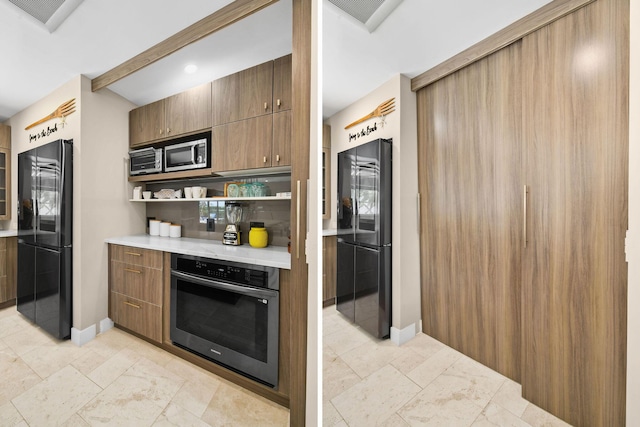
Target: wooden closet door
(574,271)
(470,179)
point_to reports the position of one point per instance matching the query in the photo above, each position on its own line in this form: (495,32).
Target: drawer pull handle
(132,304)
(278,158)
(264,159)
(132,254)
(265,106)
(133,271)
(279,103)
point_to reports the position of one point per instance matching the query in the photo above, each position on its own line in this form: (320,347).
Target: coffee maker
(232,233)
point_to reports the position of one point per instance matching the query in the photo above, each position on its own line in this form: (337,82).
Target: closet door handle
(524,216)
(298,219)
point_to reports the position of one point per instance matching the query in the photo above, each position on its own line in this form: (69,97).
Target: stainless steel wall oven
(227,312)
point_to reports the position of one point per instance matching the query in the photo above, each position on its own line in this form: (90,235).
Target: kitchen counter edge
(271,256)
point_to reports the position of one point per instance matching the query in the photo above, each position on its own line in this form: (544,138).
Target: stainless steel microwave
(145,160)
(186,155)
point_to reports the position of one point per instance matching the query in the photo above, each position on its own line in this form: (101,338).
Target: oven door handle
(238,289)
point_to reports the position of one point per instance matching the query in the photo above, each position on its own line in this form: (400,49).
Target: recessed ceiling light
(191,68)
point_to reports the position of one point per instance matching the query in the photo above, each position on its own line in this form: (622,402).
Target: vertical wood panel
(574,276)
(470,178)
(300,151)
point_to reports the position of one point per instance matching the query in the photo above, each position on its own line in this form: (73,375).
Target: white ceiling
(100,35)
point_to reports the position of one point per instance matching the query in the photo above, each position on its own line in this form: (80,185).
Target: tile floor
(116,379)
(369,382)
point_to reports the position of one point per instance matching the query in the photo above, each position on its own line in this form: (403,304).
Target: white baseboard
(80,338)
(401,336)
(105,325)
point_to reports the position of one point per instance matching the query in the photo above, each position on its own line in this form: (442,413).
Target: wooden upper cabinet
(243,95)
(146,123)
(188,111)
(282,84)
(281,148)
(244,144)
(180,114)
(5,136)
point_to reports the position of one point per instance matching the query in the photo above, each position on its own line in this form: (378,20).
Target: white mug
(195,192)
(187,193)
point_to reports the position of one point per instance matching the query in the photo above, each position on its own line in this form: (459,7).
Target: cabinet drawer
(136,315)
(136,256)
(138,282)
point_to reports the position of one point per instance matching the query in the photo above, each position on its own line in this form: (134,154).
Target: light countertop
(271,256)
(8,233)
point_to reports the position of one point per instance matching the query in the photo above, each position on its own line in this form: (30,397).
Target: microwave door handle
(193,154)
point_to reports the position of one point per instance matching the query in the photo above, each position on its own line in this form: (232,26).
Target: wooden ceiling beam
(231,13)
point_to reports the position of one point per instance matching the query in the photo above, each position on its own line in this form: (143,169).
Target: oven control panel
(231,272)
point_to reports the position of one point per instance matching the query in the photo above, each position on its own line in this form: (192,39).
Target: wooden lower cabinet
(137,315)
(8,270)
(139,301)
(329,253)
(135,283)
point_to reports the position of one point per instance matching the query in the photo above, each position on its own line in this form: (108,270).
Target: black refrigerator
(363,292)
(45,207)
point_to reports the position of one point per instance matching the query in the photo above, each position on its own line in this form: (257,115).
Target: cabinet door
(575,276)
(188,111)
(256,91)
(470,181)
(282,84)
(245,144)
(225,93)
(147,123)
(5,136)
(242,95)
(281,151)
(5,184)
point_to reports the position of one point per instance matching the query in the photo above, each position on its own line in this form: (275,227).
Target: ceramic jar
(258,237)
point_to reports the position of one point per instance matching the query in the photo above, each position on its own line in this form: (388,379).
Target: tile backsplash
(193,215)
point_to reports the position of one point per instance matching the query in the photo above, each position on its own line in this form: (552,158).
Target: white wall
(104,192)
(633,235)
(401,126)
(99,129)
